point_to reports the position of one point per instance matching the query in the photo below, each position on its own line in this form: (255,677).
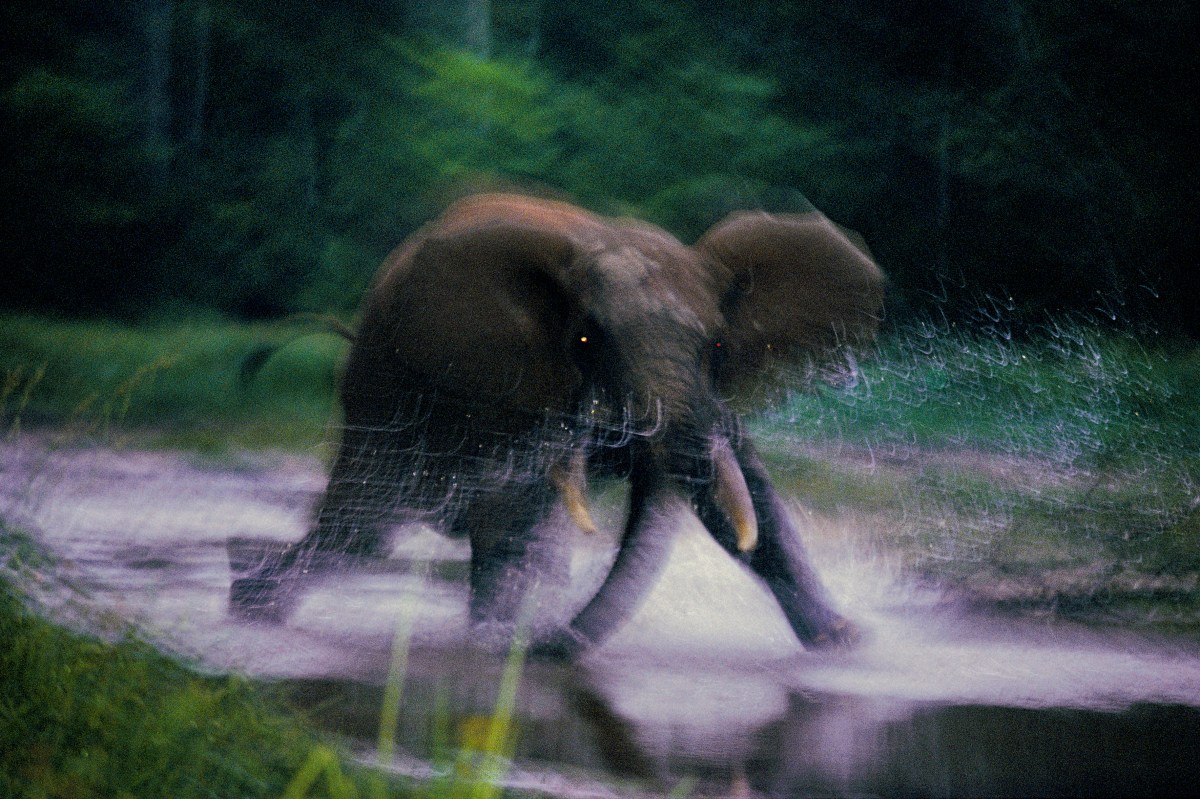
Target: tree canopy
(1015,158)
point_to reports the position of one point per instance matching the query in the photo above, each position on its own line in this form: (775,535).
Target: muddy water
(704,690)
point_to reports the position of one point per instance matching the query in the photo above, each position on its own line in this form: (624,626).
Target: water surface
(705,689)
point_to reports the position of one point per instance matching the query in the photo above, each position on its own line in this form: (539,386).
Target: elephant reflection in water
(515,347)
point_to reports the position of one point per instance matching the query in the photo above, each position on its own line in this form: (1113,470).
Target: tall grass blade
(393,691)
(499,743)
(322,761)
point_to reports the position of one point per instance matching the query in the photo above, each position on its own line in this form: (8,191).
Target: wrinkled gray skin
(515,345)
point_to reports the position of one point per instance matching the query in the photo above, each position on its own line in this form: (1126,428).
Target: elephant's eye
(715,357)
(587,344)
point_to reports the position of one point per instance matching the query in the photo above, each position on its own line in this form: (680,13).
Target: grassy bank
(1056,474)
(1075,395)
(81,716)
(175,384)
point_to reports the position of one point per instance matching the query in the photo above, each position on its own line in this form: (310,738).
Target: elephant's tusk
(732,495)
(570,480)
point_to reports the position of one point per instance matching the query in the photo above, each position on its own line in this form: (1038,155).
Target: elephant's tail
(256,359)
(331,324)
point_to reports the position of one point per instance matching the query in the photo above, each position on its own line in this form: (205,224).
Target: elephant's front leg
(645,547)
(780,559)
(520,552)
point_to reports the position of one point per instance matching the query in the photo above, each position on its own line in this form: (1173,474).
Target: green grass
(1059,472)
(1076,395)
(171,384)
(84,717)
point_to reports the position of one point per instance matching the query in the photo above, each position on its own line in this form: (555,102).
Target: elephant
(517,347)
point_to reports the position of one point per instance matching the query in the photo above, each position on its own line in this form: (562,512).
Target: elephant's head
(514,309)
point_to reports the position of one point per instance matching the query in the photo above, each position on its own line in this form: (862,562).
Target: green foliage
(259,160)
(482,114)
(472,120)
(465,118)
(716,142)
(76,170)
(1073,394)
(55,108)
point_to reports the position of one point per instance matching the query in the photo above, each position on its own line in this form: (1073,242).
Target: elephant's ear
(478,304)
(799,289)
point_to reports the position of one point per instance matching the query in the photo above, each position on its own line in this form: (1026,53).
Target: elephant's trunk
(667,469)
(641,556)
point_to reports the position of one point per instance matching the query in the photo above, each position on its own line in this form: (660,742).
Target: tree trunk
(461,23)
(151,95)
(942,208)
(305,129)
(201,24)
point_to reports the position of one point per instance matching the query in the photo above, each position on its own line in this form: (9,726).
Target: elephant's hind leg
(359,503)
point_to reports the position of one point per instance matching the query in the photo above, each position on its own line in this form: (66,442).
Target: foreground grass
(83,717)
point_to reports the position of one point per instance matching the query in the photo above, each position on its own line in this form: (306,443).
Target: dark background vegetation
(1004,159)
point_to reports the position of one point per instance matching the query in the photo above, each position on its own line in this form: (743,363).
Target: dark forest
(1004,160)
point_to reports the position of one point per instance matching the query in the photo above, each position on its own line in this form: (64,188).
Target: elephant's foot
(269,575)
(262,598)
(838,633)
(562,645)
(263,587)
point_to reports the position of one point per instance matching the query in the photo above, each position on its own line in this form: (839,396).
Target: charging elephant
(515,346)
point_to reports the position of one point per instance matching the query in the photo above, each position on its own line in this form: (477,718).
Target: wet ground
(704,691)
